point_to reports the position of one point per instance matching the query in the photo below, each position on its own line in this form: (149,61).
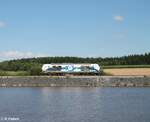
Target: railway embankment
(75,81)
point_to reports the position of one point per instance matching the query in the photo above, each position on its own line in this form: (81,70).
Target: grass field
(125,66)
(13,73)
(107,70)
(128,71)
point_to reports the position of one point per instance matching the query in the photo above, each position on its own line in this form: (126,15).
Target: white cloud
(17,55)
(118,18)
(2,24)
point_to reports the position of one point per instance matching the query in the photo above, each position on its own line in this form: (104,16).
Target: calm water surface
(76,104)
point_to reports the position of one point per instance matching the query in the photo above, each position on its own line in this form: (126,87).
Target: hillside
(33,65)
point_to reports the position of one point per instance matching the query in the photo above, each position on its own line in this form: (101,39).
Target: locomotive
(68,68)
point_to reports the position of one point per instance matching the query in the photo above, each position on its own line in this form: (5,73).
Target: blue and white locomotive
(71,68)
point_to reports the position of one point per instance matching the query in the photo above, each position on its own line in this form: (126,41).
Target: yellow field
(128,71)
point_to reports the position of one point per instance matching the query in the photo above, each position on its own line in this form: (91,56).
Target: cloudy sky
(32,28)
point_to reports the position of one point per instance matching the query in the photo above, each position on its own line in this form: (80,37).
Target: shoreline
(74,81)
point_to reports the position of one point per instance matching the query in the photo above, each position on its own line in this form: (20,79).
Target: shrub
(35,71)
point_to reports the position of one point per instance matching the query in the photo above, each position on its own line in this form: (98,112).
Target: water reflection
(76,104)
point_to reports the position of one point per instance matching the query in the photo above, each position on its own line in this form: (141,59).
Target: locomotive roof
(71,63)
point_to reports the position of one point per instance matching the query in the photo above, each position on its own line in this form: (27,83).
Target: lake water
(75,104)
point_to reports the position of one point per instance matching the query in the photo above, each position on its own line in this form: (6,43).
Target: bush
(104,73)
(3,73)
(35,71)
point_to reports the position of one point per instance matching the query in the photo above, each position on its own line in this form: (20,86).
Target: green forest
(32,66)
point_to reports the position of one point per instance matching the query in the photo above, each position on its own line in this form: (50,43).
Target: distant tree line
(34,65)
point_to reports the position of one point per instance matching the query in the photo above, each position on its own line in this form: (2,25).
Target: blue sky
(88,28)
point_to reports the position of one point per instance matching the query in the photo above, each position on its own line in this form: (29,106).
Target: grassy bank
(14,73)
(106,70)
